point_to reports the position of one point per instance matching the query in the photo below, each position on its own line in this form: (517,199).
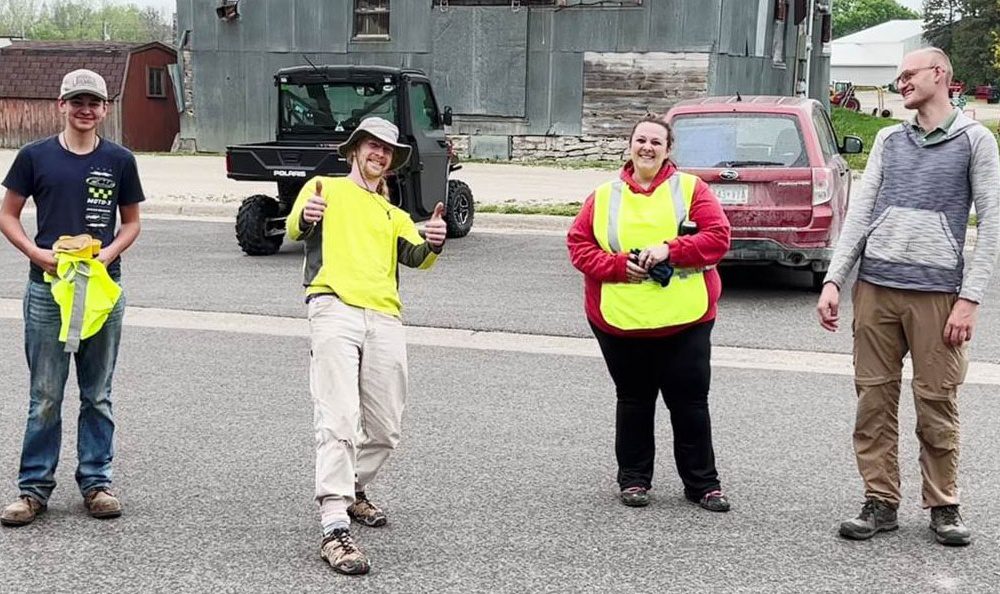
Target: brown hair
(653,118)
(659,120)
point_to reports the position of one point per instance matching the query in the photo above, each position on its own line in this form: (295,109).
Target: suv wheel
(461,209)
(255,229)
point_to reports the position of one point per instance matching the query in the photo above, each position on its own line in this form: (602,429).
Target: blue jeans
(49,367)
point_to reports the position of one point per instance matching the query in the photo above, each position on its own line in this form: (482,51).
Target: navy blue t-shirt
(73,193)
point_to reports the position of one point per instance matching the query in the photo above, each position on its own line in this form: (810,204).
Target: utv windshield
(333,107)
(714,140)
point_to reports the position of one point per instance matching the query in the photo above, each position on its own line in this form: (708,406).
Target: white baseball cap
(83,82)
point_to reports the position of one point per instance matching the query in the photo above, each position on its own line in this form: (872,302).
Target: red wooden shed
(142,115)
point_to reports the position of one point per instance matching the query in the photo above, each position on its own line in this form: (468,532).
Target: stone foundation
(557,148)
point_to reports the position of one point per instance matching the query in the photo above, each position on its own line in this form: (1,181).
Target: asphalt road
(508,282)
(504,478)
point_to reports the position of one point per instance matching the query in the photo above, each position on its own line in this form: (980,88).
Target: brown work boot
(22,512)
(343,555)
(366,512)
(876,516)
(102,503)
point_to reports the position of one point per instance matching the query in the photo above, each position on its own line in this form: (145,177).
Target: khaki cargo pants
(357,377)
(888,323)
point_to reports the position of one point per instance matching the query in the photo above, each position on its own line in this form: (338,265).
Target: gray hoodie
(908,219)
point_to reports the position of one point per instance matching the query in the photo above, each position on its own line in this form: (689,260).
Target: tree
(850,16)
(83,20)
(967,30)
(973,51)
(939,19)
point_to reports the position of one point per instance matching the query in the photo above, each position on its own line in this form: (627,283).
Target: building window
(371,19)
(155,82)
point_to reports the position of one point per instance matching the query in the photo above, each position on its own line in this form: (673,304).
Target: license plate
(731,193)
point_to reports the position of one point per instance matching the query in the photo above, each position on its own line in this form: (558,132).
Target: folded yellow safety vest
(82,287)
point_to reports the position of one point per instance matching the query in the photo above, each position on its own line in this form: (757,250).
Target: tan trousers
(357,377)
(888,323)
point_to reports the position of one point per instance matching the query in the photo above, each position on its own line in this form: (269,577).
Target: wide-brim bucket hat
(384,131)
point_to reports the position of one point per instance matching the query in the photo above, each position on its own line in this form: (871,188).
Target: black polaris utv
(318,107)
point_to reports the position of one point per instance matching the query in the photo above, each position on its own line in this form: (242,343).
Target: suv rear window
(336,107)
(738,140)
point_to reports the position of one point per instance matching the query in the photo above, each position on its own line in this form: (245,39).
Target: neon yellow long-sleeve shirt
(355,249)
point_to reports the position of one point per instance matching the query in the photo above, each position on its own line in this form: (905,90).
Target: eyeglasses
(905,76)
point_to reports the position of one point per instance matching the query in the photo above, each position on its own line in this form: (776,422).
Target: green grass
(565,209)
(864,126)
(557,163)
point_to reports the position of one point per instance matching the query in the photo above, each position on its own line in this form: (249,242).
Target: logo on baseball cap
(83,82)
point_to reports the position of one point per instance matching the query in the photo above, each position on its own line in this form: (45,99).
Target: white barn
(872,56)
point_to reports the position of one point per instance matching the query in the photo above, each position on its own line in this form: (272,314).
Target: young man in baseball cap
(81,183)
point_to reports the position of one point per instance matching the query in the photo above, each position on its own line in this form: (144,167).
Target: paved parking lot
(504,478)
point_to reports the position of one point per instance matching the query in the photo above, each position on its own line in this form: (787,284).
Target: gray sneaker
(948,528)
(635,496)
(876,516)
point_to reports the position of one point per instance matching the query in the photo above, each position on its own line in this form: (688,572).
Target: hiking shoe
(22,512)
(366,512)
(102,504)
(876,516)
(635,496)
(948,528)
(714,501)
(343,555)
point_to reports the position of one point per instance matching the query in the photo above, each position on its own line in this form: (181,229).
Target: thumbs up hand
(436,229)
(315,206)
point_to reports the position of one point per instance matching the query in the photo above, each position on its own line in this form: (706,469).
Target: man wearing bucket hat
(354,241)
(81,184)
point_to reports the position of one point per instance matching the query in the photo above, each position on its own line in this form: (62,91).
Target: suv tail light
(822,185)
(229,162)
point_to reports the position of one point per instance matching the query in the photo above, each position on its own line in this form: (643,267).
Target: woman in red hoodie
(647,244)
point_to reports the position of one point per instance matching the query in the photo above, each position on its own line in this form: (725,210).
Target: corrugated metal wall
(503,72)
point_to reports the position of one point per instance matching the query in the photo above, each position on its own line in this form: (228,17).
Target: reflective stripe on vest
(86,295)
(624,221)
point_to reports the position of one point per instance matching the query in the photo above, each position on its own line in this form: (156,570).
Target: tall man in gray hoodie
(907,225)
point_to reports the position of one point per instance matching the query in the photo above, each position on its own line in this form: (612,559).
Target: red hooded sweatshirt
(704,248)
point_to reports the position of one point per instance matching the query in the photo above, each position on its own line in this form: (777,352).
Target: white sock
(333,515)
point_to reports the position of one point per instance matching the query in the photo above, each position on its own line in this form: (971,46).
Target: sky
(916,5)
(167,6)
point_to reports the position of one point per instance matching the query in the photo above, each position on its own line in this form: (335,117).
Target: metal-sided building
(525,78)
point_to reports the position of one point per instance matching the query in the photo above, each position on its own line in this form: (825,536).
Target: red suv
(775,165)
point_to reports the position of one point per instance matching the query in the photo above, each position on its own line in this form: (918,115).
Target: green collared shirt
(937,134)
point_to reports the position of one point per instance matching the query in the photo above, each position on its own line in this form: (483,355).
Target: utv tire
(461,209)
(251,226)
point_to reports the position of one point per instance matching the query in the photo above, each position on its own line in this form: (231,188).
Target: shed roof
(34,69)
(887,32)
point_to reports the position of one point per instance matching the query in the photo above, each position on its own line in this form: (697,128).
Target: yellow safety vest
(82,287)
(624,221)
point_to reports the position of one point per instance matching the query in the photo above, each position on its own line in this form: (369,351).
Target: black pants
(679,367)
